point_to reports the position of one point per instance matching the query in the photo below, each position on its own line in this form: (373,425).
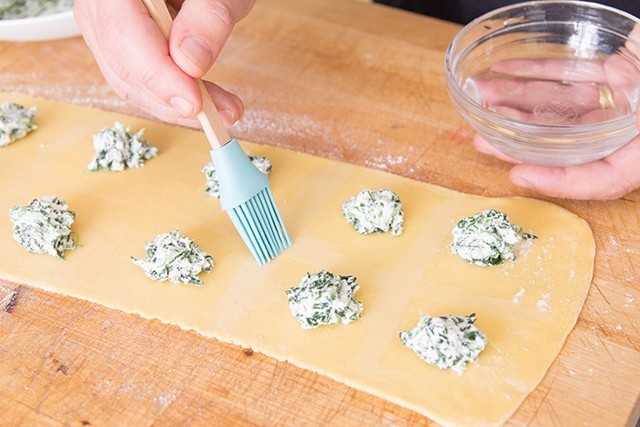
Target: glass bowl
(39,28)
(553,83)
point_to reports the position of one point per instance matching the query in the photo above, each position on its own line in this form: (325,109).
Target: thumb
(606,179)
(200,30)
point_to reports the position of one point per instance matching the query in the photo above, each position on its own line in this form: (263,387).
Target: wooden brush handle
(209,117)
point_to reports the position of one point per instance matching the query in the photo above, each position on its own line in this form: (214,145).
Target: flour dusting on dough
(517,296)
(543,303)
(383,162)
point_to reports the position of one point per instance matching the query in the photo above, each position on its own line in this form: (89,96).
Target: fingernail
(198,51)
(228,117)
(520,181)
(183,106)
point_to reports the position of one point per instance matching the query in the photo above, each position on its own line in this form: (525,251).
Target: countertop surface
(345,80)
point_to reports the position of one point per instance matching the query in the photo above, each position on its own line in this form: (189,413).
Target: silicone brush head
(260,225)
(246,197)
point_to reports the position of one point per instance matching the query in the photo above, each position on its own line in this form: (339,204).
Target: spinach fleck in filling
(15,122)
(117,149)
(449,342)
(44,226)
(324,299)
(375,212)
(19,9)
(176,258)
(487,238)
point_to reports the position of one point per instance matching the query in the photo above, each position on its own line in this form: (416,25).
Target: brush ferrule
(239,179)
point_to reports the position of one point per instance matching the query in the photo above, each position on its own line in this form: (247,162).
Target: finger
(633,44)
(623,74)
(575,99)
(143,99)
(553,69)
(135,51)
(484,147)
(229,105)
(557,116)
(167,114)
(201,29)
(598,116)
(607,179)
(83,12)
(551,115)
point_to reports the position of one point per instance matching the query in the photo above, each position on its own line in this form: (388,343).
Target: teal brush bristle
(261,227)
(246,197)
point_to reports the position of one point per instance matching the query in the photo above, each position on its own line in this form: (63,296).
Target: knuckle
(150,78)
(223,12)
(620,185)
(616,193)
(123,91)
(110,33)
(122,71)
(620,190)
(161,112)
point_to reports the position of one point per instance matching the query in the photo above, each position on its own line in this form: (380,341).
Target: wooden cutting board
(343,80)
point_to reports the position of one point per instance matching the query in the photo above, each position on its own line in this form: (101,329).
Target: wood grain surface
(344,80)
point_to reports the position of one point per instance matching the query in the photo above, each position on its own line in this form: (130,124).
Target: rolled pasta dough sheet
(526,307)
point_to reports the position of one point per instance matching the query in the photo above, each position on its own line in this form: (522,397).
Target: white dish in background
(38,28)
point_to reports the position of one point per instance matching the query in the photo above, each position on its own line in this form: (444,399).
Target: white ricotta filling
(15,122)
(324,299)
(18,9)
(487,238)
(176,258)
(44,226)
(446,341)
(375,211)
(116,148)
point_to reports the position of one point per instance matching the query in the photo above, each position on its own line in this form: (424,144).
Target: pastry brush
(244,190)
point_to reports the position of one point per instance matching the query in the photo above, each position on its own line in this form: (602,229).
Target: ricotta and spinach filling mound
(117,148)
(176,258)
(19,9)
(213,185)
(324,299)
(487,238)
(44,226)
(15,122)
(375,212)
(449,342)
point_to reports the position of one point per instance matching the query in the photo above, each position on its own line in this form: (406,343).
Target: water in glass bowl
(557,92)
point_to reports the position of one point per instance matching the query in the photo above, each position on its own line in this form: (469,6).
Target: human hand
(598,92)
(608,179)
(158,75)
